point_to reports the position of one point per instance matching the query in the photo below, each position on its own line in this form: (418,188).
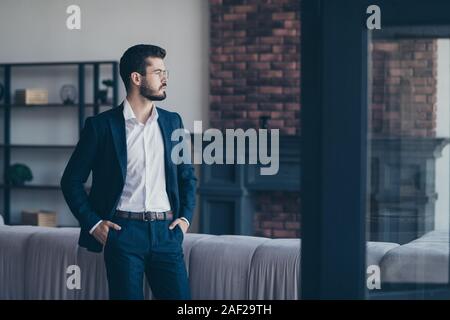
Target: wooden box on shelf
(31,96)
(43,218)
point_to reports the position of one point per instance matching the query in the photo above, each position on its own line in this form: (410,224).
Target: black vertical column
(96,84)
(334,149)
(7,150)
(116,84)
(81,67)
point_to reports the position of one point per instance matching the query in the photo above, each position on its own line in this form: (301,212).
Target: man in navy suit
(141,202)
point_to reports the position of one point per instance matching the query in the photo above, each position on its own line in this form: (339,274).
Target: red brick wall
(255,64)
(277,215)
(404,88)
(254,72)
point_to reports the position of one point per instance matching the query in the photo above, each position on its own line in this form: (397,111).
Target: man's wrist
(186,220)
(95,226)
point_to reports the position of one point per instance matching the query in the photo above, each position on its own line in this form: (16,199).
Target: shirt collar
(128,112)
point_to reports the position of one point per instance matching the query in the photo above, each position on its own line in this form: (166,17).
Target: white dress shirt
(145,182)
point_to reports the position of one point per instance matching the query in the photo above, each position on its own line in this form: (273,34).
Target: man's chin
(157,98)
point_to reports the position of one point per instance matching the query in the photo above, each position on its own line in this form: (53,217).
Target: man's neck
(142,107)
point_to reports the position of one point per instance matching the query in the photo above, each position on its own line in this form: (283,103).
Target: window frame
(334,127)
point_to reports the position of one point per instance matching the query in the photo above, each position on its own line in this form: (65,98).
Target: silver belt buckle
(144,218)
(159,215)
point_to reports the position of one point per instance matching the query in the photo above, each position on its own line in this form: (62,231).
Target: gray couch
(424,260)
(34,261)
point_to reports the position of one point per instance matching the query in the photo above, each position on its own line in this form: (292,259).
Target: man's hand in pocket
(182,224)
(100,233)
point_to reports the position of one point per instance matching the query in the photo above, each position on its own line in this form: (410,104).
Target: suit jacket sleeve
(187,183)
(76,174)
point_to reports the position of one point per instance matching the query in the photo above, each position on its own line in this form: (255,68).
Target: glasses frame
(161,73)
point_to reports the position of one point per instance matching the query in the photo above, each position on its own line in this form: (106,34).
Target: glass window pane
(408,171)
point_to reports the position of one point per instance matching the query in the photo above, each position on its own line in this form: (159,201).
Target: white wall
(443,130)
(35,31)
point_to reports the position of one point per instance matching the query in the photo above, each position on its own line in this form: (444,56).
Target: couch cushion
(220,266)
(190,240)
(14,242)
(424,260)
(275,270)
(375,251)
(49,254)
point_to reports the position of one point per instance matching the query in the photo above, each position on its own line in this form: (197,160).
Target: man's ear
(135,78)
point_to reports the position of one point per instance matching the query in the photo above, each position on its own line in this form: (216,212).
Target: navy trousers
(150,248)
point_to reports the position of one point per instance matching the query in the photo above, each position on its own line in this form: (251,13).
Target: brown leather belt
(145,216)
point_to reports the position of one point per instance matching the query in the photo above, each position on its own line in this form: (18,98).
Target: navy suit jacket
(102,149)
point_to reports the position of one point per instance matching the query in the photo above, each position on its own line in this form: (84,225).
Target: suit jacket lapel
(165,131)
(117,123)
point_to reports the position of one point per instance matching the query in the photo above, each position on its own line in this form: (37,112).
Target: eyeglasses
(161,73)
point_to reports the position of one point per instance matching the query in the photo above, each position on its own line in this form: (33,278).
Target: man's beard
(150,94)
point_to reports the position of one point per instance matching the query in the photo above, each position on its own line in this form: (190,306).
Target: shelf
(37,146)
(53,105)
(18,224)
(11,109)
(30,186)
(37,187)
(69,63)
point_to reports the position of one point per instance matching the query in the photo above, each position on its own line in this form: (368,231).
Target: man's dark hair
(134,60)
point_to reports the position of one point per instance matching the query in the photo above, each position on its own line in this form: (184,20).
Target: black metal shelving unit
(7,106)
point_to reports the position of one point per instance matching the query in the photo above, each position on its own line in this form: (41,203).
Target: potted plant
(18,174)
(103,94)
